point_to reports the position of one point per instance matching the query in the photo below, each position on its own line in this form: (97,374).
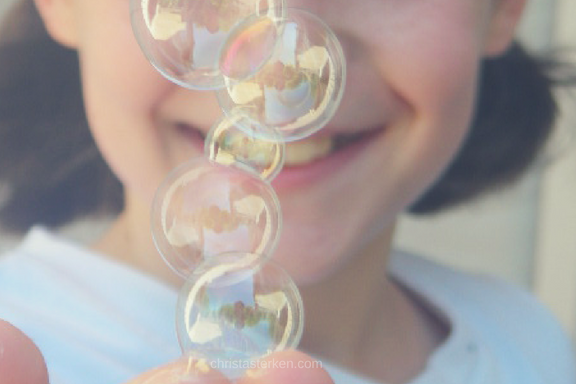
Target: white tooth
(305,151)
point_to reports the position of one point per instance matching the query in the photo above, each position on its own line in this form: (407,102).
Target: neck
(129,241)
(348,296)
(360,319)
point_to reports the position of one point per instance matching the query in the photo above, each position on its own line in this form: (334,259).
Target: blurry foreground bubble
(203,209)
(228,145)
(235,308)
(183,38)
(297,90)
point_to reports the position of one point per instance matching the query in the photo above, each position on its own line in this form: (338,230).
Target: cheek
(122,91)
(431,68)
(438,81)
(112,61)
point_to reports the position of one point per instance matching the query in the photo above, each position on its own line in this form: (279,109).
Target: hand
(22,363)
(275,374)
(20,360)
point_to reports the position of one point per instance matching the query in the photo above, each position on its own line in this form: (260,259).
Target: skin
(22,363)
(20,360)
(415,81)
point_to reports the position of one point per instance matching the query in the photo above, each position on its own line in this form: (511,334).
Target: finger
(183,371)
(287,367)
(20,360)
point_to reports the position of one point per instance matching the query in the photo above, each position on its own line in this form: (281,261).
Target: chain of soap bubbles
(279,76)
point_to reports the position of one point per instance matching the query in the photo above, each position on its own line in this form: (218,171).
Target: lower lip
(299,176)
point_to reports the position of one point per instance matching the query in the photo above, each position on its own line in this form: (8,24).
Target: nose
(365,91)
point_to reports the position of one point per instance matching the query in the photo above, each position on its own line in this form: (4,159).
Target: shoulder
(19,264)
(517,330)
(41,259)
(82,307)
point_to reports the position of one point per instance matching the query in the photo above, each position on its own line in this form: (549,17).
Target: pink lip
(299,176)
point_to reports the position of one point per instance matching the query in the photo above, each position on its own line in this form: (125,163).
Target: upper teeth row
(305,151)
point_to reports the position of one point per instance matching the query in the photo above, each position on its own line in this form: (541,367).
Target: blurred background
(526,233)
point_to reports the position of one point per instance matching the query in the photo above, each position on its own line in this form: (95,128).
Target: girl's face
(412,79)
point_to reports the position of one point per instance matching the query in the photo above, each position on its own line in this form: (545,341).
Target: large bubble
(297,90)
(203,209)
(183,38)
(234,309)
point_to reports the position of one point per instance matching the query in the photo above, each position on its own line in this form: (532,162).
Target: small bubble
(228,145)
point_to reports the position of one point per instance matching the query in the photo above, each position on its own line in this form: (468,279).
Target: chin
(309,270)
(311,256)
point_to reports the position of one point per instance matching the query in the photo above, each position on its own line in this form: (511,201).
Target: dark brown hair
(55,173)
(48,159)
(514,117)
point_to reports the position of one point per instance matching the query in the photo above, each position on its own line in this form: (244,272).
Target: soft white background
(526,233)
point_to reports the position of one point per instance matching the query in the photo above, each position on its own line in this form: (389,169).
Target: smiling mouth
(302,152)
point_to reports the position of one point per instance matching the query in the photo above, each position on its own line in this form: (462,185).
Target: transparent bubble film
(279,76)
(297,90)
(203,209)
(183,39)
(235,308)
(228,145)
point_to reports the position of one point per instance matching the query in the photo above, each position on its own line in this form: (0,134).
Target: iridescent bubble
(203,209)
(228,145)
(235,308)
(183,38)
(296,91)
(250,47)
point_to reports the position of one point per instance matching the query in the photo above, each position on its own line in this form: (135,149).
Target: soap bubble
(250,47)
(203,209)
(235,308)
(296,91)
(183,38)
(228,145)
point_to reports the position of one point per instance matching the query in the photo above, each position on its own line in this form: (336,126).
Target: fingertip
(20,359)
(186,370)
(288,367)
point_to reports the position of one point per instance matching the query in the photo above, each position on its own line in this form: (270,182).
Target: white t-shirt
(97,321)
